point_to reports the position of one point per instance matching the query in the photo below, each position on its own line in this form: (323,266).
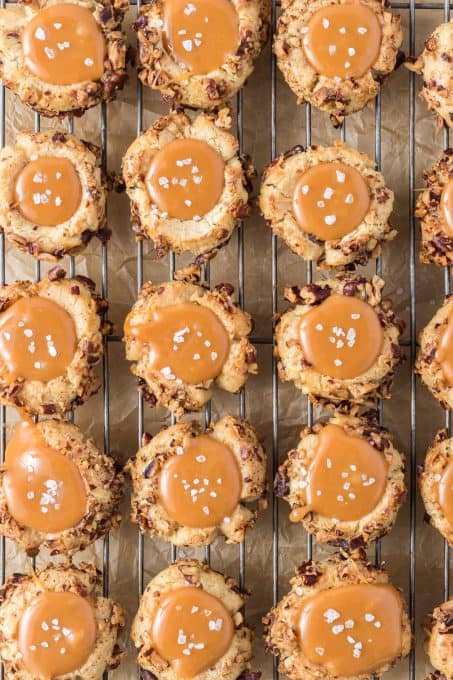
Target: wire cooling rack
(410,11)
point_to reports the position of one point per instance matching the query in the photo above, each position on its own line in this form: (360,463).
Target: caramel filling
(346,479)
(446,492)
(191,630)
(201,486)
(352,629)
(57,634)
(37,339)
(186,179)
(444,354)
(47,191)
(43,489)
(446,207)
(343,41)
(200,34)
(342,337)
(64,45)
(187,342)
(330,200)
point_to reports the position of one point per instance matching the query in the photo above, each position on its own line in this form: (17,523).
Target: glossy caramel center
(37,339)
(44,489)
(343,41)
(64,45)
(446,492)
(47,191)
(346,479)
(202,485)
(200,34)
(187,342)
(444,353)
(57,634)
(186,178)
(330,200)
(191,630)
(446,207)
(342,337)
(353,629)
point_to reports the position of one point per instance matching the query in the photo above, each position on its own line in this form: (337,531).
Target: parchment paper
(123,438)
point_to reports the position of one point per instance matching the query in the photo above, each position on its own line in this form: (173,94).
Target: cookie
(70,496)
(190,487)
(189,624)
(344,481)
(182,337)
(435,66)
(200,53)
(434,361)
(63,56)
(434,209)
(340,616)
(328,204)
(52,194)
(51,338)
(187,184)
(334,54)
(60,608)
(439,645)
(339,342)
(436,481)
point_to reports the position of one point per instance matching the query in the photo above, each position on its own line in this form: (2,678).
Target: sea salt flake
(40,34)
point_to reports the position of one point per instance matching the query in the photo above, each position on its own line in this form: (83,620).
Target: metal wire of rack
(412,7)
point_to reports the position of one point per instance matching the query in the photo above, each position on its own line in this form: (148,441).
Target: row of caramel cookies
(189,487)
(64,56)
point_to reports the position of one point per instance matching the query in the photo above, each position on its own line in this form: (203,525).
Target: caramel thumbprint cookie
(440,640)
(339,342)
(199,53)
(62,57)
(344,481)
(435,65)
(182,337)
(187,184)
(436,484)
(56,624)
(189,625)
(52,194)
(57,489)
(341,619)
(328,204)
(335,53)
(434,362)
(51,336)
(189,488)
(435,212)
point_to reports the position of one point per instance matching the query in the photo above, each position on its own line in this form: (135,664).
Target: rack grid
(413,8)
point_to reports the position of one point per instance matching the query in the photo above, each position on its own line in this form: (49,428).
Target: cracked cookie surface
(434,363)
(65,374)
(224,471)
(164,206)
(183,370)
(345,583)
(21,592)
(191,579)
(23,213)
(339,363)
(182,83)
(435,480)
(90,477)
(435,66)
(288,207)
(434,209)
(344,481)
(309,73)
(55,96)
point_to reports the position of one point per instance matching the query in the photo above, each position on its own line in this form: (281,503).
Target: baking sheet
(123,571)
